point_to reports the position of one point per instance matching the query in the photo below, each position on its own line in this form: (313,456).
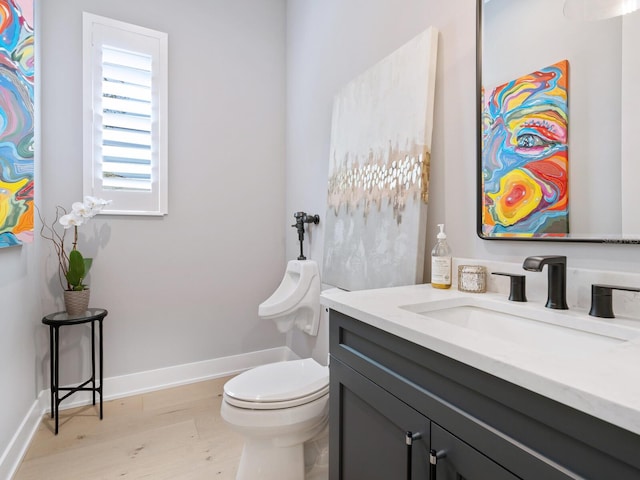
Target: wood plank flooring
(175,433)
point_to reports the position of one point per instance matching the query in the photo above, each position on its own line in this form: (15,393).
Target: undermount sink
(560,332)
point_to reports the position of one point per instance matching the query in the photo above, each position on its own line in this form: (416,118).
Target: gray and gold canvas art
(379,171)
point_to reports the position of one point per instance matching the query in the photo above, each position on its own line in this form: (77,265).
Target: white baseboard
(11,457)
(161,378)
(135,384)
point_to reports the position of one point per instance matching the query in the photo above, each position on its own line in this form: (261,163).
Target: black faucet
(557,287)
(602,300)
(517,293)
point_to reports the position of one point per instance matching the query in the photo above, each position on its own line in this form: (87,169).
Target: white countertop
(604,383)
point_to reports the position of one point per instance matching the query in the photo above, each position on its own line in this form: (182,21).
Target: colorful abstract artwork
(378,171)
(525,156)
(16,121)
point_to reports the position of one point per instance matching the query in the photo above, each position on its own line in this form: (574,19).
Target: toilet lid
(279,382)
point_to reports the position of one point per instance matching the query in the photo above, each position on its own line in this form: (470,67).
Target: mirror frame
(479,189)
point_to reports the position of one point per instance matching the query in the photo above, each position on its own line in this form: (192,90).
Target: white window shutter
(125,105)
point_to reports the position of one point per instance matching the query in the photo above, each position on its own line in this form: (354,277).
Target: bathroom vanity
(418,390)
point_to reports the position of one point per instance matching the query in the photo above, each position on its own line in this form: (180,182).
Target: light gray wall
(329,43)
(182,288)
(20,327)
(630,123)
(185,287)
(19,323)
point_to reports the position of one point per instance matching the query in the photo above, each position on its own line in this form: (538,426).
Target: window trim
(97,31)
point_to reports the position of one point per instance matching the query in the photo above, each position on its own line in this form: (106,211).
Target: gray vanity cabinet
(484,428)
(374,435)
(463,462)
(383,438)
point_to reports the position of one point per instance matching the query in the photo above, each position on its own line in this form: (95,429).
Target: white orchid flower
(91,202)
(71,220)
(80,214)
(95,205)
(81,210)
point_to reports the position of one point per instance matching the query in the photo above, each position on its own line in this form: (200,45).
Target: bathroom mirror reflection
(568,172)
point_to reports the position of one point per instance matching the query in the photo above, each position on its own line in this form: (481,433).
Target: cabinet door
(369,431)
(461,461)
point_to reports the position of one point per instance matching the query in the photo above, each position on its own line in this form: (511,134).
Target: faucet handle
(517,293)
(601,299)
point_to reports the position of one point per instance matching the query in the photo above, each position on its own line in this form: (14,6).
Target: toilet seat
(278,385)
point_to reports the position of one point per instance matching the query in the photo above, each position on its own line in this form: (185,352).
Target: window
(125,123)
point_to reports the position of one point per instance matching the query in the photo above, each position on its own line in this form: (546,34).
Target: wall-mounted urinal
(296,301)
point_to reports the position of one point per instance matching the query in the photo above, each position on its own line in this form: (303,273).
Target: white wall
(630,123)
(185,287)
(19,348)
(329,43)
(20,327)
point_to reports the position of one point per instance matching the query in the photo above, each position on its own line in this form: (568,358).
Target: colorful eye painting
(524,156)
(16,121)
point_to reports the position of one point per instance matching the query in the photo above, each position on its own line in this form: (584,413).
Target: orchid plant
(72,266)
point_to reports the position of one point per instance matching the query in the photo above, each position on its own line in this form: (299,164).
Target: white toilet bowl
(277,408)
(282,409)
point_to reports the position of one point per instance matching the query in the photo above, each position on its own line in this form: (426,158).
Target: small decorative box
(472,278)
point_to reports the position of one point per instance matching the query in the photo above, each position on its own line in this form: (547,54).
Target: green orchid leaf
(76,271)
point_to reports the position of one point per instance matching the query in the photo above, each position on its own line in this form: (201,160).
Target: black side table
(55,321)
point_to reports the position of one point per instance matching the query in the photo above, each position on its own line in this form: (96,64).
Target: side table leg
(93,361)
(101,391)
(51,367)
(56,346)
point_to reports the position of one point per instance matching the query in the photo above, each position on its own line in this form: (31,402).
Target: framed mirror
(556,124)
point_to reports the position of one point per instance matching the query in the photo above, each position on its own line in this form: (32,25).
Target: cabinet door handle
(433,462)
(410,437)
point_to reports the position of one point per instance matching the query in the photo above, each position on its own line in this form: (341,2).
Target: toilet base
(316,457)
(260,459)
(287,442)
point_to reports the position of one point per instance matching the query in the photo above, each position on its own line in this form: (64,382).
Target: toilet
(282,409)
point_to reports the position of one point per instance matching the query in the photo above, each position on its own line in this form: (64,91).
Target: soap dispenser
(441,261)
